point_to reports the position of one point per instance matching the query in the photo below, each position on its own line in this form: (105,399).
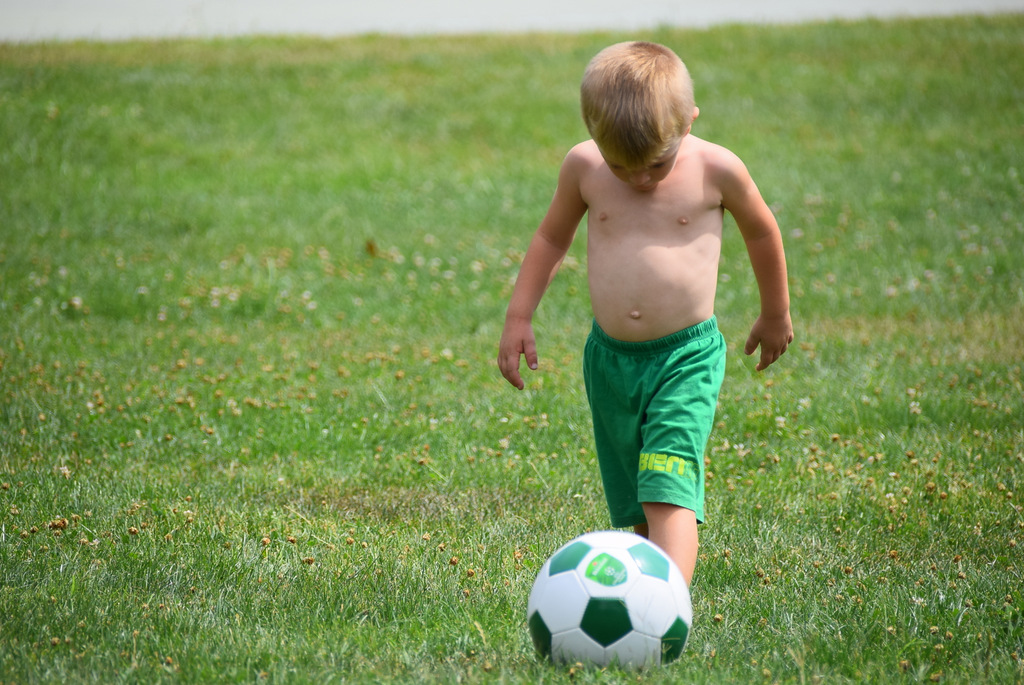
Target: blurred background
(35,20)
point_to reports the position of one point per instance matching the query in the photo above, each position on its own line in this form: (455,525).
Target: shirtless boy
(654,196)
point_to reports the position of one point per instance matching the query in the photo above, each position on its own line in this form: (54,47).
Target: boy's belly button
(635,314)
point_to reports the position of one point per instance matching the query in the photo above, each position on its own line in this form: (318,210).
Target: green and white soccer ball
(610,597)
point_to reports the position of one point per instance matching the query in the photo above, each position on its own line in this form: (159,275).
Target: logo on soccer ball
(606,570)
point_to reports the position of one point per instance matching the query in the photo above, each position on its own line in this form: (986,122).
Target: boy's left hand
(773,335)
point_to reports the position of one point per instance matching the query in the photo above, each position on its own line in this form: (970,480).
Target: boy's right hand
(516,340)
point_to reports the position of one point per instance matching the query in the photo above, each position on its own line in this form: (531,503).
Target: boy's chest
(672,209)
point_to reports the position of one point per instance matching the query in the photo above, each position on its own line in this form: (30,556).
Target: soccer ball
(610,597)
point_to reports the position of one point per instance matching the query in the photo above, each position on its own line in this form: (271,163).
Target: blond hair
(637,101)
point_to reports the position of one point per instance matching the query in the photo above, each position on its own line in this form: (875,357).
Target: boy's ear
(696,113)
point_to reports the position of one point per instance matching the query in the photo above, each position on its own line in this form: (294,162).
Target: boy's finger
(751,345)
(510,370)
(767,358)
(530,352)
(508,364)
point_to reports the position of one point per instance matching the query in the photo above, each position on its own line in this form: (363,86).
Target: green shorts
(653,405)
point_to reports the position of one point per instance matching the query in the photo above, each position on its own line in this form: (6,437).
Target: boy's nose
(641,178)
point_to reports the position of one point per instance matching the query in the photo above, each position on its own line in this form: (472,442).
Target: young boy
(654,197)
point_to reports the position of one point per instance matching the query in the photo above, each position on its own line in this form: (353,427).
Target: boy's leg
(674,529)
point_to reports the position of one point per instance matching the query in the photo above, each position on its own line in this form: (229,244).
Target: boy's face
(645,178)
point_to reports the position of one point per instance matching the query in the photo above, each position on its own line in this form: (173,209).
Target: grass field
(250,295)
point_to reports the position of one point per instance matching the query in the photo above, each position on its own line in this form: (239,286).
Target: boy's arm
(543,257)
(773,330)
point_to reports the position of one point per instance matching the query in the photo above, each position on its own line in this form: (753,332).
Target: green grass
(250,295)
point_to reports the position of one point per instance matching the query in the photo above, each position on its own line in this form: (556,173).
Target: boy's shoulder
(581,162)
(585,154)
(721,164)
(710,153)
